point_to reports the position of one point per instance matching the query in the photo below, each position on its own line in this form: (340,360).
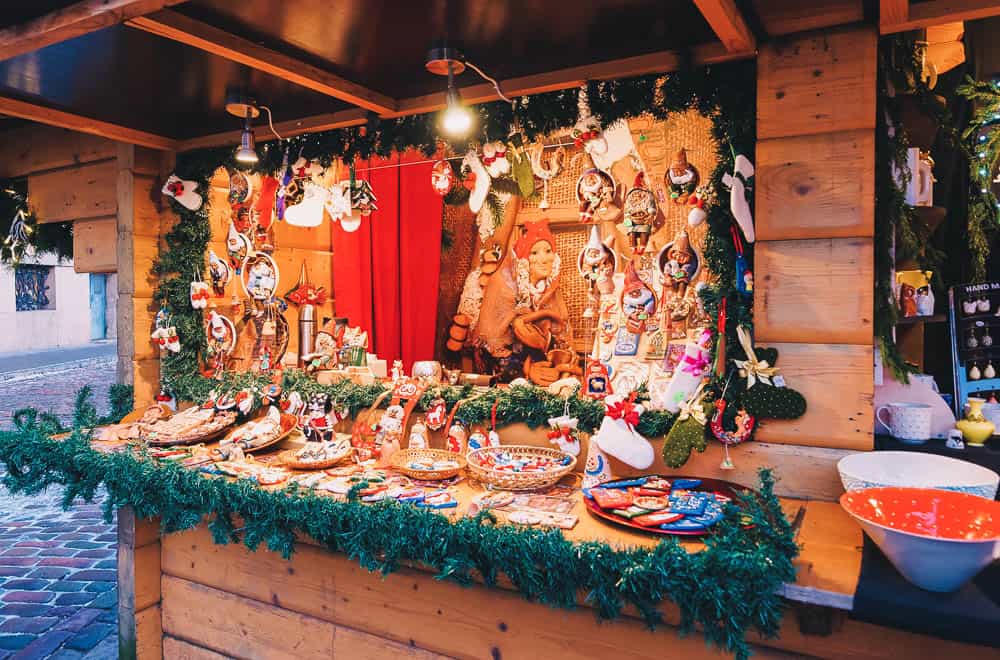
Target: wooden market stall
(183,596)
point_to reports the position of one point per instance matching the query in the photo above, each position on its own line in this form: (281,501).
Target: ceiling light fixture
(239,104)
(445,60)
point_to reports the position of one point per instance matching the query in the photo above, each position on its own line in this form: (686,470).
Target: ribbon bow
(624,410)
(489,160)
(692,409)
(586,136)
(199,295)
(694,365)
(755,369)
(176,188)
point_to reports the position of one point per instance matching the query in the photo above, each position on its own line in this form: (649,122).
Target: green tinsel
(727,590)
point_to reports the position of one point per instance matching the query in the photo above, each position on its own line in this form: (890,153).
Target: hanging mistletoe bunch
(20,231)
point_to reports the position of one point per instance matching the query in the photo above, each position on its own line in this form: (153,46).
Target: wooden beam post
(937,12)
(73,21)
(52,117)
(893,12)
(178,27)
(727,22)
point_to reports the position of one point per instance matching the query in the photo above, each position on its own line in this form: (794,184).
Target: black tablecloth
(885,598)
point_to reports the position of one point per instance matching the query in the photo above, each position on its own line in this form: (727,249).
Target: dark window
(34,288)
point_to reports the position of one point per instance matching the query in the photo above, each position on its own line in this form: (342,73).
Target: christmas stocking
(689,372)
(617,436)
(738,203)
(308,212)
(481,181)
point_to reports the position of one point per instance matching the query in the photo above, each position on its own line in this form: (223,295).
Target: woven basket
(289,460)
(402,458)
(519,480)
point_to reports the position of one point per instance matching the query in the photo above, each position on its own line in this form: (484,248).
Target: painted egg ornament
(240,187)
(442,177)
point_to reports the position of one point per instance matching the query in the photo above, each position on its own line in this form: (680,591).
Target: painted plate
(719,486)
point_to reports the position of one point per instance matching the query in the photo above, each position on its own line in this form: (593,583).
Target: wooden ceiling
(155,72)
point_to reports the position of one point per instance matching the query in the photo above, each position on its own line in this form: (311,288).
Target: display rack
(975,325)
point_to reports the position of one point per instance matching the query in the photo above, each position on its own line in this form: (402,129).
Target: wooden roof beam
(73,21)
(52,117)
(728,23)
(928,14)
(178,27)
(893,12)
(662,62)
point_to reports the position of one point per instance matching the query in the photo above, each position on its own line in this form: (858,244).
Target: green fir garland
(727,590)
(55,238)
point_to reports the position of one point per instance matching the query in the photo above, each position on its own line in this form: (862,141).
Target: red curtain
(386,273)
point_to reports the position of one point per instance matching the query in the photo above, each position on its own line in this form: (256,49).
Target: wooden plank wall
(139,630)
(141,221)
(814,262)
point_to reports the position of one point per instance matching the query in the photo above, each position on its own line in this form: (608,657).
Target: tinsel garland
(55,238)
(726,590)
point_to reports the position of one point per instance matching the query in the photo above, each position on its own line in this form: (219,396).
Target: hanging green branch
(981,142)
(739,572)
(21,232)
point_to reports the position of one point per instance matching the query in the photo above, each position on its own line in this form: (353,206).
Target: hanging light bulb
(456,120)
(246,152)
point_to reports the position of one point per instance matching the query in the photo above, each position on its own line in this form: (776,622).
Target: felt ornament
(184,192)
(769,401)
(688,431)
(495,159)
(220,272)
(338,201)
(480,182)
(752,368)
(739,205)
(597,469)
(744,276)
(562,433)
(199,294)
(546,171)
(442,177)
(265,201)
(617,436)
(689,371)
(304,292)
(166,339)
(308,212)
(363,198)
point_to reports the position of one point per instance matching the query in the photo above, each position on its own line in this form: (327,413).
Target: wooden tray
(727,488)
(291,429)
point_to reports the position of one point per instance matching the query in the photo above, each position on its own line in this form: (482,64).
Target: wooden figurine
(681,177)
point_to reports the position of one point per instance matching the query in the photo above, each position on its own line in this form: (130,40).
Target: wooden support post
(815,219)
(139,627)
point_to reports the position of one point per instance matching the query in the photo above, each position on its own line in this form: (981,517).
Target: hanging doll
(597,264)
(640,213)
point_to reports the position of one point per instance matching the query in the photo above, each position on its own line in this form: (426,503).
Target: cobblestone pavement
(58,596)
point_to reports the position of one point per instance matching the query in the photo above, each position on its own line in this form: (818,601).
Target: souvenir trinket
(437,414)
(687,433)
(640,213)
(638,302)
(595,193)
(318,426)
(199,294)
(563,433)
(442,499)
(495,159)
(308,212)
(240,187)
(418,435)
(183,192)
(220,272)
(597,382)
(597,264)
(457,437)
(260,277)
(363,198)
(546,172)
(681,177)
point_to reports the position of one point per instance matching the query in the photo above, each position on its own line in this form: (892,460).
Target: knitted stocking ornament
(739,205)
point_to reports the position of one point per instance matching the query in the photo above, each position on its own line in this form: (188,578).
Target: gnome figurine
(680,266)
(640,213)
(682,178)
(597,265)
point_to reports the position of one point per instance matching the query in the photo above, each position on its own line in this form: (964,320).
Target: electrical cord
(270,123)
(496,85)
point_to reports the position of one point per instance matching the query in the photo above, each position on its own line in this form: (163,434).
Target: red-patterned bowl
(937,539)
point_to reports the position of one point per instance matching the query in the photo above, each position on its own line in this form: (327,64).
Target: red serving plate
(721,486)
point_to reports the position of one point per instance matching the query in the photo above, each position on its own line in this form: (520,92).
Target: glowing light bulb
(456,121)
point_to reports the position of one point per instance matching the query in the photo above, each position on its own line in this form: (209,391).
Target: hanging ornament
(681,177)
(640,212)
(638,302)
(457,437)
(546,172)
(240,187)
(164,334)
(720,342)
(199,294)
(338,201)
(183,192)
(18,236)
(303,168)
(260,276)
(688,431)
(442,177)
(738,182)
(596,380)
(493,438)
(744,276)
(265,206)
(701,198)
(238,247)
(477,440)
(479,186)
(617,436)
(309,211)
(587,133)
(689,371)
(305,293)
(744,423)
(363,198)
(220,272)
(285,179)
(437,414)
(418,435)
(597,264)
(562,432)
(597,469)
(221,340)
(595,193)
(752,369)
(520,163)
(495,159)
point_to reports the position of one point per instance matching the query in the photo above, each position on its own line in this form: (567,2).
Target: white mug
(907,421)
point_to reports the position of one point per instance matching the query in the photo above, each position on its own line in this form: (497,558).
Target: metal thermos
(307,332)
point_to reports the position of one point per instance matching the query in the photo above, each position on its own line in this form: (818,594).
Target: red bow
(489,160)
(624,410)
(176,188)
(558,433)
(586,136)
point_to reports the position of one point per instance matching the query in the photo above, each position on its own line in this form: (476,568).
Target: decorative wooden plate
(288,422)
(727,488)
